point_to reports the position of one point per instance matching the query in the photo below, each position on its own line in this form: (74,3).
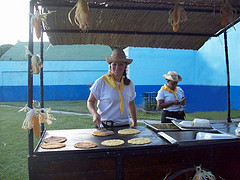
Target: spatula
(103,129)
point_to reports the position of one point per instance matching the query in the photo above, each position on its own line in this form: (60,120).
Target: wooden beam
(129,32)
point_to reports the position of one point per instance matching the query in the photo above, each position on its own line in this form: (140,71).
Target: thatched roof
(137,23)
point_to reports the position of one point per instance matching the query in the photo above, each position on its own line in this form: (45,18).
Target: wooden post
(30,79)
(228,77)
(41,82)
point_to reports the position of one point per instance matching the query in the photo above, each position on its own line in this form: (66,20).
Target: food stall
(173,151)
(155,160)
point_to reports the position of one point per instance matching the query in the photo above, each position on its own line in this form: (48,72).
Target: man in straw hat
(171,98)
(115,94)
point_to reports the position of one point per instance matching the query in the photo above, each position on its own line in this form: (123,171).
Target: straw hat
(172,76)
(118,56)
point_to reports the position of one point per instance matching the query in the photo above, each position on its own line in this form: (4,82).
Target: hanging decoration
(228,13)
(203,175)
(35,60)
(36,22)
(176,16)
(81,17)
(36,116)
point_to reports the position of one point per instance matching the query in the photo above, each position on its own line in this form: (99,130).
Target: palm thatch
(137,23)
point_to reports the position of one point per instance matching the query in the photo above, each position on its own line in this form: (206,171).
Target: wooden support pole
(30,80)
(228,77)
(41,81)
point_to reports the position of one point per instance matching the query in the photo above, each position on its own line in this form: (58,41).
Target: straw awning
(137,23)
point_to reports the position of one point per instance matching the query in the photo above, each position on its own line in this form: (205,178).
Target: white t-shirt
(167,97)
(108,101)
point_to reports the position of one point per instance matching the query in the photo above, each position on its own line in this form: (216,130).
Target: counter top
(76,135)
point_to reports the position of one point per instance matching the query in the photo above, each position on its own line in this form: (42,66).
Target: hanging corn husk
(177,15)
(203,175)
(36,125)
(45,117)
(36,116)
(37,20)
(228,13)
(35,60)
(27,123)
(81,17)
(36,63)
(36,23)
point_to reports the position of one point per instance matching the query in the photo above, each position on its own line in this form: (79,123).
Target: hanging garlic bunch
(177,15)
(228,13)
(81,17)
(36,116)
(35,60)
(37,20)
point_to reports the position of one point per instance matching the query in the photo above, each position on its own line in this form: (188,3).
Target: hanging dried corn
(177,15)
(228,13)
(203,175)
(36,116)
(35,60)
(36,63)
(36,22)
(81,17)
(27,123)
(36,125)
(45,117)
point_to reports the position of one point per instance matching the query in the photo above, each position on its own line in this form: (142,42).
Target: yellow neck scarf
(109,80)
(166,88)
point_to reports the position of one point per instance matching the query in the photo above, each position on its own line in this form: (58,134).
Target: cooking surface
(226,127)
(76,135)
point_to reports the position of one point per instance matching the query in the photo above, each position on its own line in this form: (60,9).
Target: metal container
(157,127)
(191,136)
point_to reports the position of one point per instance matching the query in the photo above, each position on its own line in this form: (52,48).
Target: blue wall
(198,97)
(203,73)
(151,63)
(57,92)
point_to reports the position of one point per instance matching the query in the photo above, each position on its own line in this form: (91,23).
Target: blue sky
(14,18)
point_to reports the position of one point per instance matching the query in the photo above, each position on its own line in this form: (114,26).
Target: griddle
(76,135)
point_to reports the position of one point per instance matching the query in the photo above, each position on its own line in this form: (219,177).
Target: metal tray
(191,136)
(159,127)
(177,123)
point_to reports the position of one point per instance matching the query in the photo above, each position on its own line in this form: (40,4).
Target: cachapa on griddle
(85,144)
(102,133)
(129,131)
(112,142)
(139,141)
(55,139)
(53,145)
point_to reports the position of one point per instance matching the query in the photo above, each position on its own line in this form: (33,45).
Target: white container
(237,131)
(186,123)
(211,136)
(201,123)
